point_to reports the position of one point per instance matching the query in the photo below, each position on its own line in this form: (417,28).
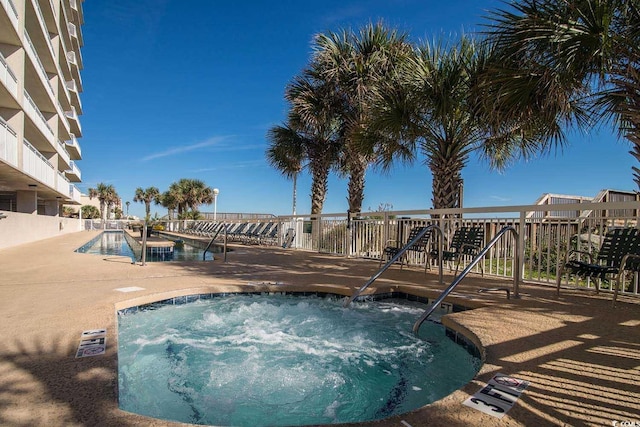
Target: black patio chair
(619,253)
(466,242)
(392,247)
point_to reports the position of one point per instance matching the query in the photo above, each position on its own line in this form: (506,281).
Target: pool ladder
(215,236)
(457,279)
(516,275)
(397,256)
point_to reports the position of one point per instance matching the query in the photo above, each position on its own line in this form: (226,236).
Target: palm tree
(168,200)
(146,196)
(286,154)
(427,107)
(90,212)
(569,62)
(178,196)
(355,65)
(198,193)
(309,139)
(67,211)
(106,195)
(190,194)
(112,199)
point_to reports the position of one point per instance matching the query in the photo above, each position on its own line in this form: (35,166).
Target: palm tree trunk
(357,172)
(446,183)
(319,184)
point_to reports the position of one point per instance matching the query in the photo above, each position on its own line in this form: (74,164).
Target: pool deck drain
(566,348)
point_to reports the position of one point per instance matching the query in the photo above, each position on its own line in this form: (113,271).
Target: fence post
(349,236)
(518,272)
(143,258)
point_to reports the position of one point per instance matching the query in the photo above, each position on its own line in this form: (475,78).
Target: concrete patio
(581,357)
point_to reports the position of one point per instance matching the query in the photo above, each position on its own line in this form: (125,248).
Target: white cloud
(185,148)
(234,165)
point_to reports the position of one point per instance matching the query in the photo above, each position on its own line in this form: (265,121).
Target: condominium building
(40,85)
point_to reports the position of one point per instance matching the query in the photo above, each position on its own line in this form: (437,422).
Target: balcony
(64,161)
(72,58)
(74,121)
(74,95)
(8,21)
(73,147)
(9,81)
(36,165)
(37,118)
(40,71)
(43,27)
(64,122)
(73,173)
(75,193)
(63,185)
(8,144)
(72,30)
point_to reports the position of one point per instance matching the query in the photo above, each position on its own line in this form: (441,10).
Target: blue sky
(187,89)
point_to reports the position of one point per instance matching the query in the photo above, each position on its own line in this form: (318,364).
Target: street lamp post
(215,203)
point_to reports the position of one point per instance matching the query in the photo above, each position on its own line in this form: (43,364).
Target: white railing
(73,114)
(74,145)
(53,9)
(75,193)
(62,152)
(43,26)
(36,165)
(73,4)
(75,170)
(7,77)
(12,12)
(65,51)
(62,117)
(31,50)
(8,144)
(62,184)
(543,238)
(72,87)
(72,29)
(71,57)
(36,116)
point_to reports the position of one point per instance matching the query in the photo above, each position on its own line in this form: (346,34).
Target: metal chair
(466,241)
(620,252)
(390,250)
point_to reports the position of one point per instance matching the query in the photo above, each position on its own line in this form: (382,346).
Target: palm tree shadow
(59,388)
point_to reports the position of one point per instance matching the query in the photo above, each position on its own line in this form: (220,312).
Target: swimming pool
(118,243)
(283,360)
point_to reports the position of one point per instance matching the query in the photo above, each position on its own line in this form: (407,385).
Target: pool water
(114,243)
(284,360)
(111,243)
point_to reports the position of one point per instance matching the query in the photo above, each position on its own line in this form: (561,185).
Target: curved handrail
(458,279)
(401,252)
(211,241)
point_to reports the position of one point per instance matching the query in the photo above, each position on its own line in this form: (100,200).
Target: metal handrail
(458,279)
(401,252)
(211,241)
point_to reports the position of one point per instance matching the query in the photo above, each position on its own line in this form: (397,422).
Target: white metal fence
(545,234)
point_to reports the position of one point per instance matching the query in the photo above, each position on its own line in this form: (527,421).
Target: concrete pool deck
(581,357)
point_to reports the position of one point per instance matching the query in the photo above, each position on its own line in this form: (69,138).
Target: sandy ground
(581,357)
